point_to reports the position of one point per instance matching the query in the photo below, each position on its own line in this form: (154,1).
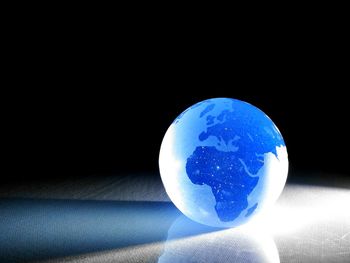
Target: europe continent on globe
(222,161)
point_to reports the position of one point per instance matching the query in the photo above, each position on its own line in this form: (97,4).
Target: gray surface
(109,219)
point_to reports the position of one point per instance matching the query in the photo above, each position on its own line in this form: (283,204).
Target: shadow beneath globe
(36,229)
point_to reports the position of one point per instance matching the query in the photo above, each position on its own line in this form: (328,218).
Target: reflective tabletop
(131,219)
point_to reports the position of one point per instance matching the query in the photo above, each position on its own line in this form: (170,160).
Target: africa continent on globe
(223,161)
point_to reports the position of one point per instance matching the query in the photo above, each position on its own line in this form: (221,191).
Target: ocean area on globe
(222,161)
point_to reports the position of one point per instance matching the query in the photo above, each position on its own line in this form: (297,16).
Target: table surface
(131,219)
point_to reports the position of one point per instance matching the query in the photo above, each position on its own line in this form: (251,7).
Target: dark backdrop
(79,109)
(66,133)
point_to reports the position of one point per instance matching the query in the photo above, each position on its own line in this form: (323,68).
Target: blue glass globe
(222,161)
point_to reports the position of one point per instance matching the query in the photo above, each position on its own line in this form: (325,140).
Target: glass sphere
(222,161)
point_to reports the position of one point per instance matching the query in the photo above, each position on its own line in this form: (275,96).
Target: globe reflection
(188,241)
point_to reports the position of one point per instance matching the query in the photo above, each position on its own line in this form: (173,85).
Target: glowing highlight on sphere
(223,161)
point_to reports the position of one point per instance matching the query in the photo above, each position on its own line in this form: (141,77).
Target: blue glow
(222,160)
(33,229)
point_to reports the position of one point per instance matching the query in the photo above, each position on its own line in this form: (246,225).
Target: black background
(87,104)
(119,131)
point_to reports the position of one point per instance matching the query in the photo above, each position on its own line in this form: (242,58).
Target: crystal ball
(222,161)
